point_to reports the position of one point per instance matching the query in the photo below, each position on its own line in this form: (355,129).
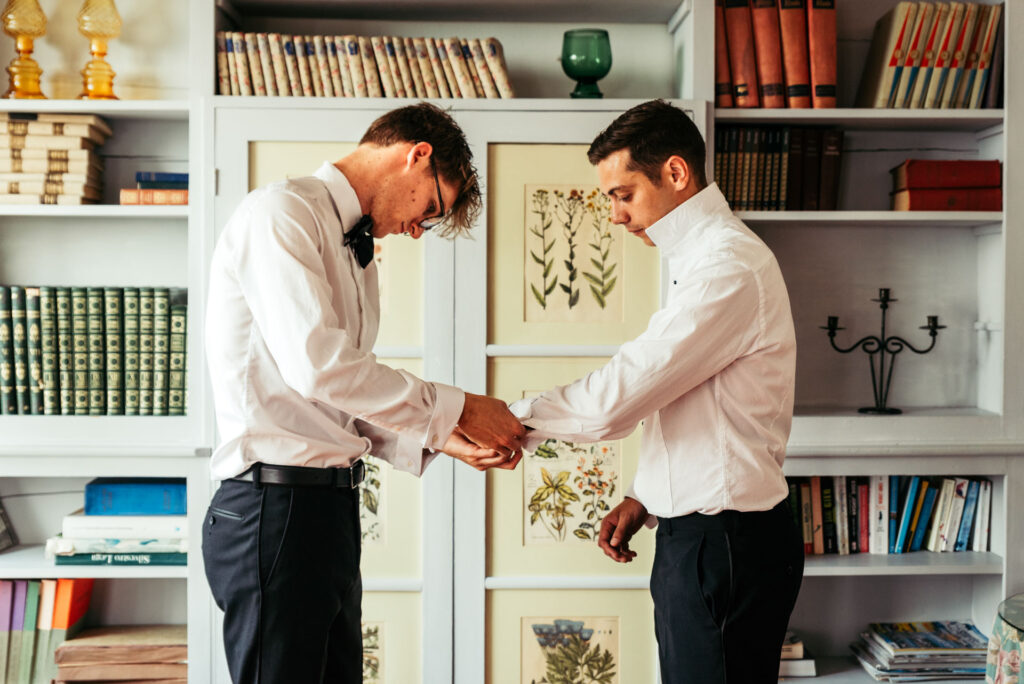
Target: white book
(392,59)
(878,537)
(467,55)
(252,53)
(426,61)
(355,66)
(420,87)
(90,119)
(277,59)
(266,64)
(495,56)
(914,53)
(302,59)
(335,66)
(446,67)
(242,64)
(314,67)
(223,75)
(125,526)
(370,71)
(979,541)
(291,65)
(939,514)
(387,80)
(943,53)
(453,49)
(346,73)
(404,68)
(65,546)
(952,525)
(842,514)
(919,88)
(45,199)
(323,65)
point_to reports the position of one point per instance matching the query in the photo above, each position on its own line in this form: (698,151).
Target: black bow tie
(360,239)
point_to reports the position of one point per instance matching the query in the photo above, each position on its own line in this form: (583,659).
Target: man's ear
(421,150)
(677,172)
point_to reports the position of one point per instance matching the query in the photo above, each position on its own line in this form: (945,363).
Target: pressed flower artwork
(581,650)
(373,653)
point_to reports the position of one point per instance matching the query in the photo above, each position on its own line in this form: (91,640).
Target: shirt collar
(341,192)
(669,232)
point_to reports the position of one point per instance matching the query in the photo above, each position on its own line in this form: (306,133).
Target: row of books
(360,66)
(157,654)
(92,351)
(775,53)
(943,650)
(772,168)
(125,521)
(51,158)
(796,660)
(891,513)
(935,55)
(948,185)
(156,187)
(36,616)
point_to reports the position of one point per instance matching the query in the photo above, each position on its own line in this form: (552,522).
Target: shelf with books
(870,119)
(28,561)
(894,219)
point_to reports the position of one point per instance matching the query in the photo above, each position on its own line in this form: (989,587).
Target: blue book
(135,496)
(967,519)
(894,510)
(161,176)
(909,501)
(922,522)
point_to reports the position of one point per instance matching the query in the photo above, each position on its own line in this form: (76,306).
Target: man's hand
(488,422)
(457,446)
(618,527)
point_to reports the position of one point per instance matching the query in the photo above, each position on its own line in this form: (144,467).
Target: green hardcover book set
(92,350)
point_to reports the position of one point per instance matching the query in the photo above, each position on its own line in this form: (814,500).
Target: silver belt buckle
(356,474)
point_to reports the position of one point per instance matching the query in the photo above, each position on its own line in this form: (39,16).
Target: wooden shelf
(882,219)
(108,109)
(869,119)
(113,211)
(28,562)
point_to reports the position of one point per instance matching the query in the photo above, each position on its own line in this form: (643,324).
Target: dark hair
(425,122)
(653,132)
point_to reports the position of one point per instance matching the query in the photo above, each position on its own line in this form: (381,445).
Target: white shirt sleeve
(682,347)
(281,274)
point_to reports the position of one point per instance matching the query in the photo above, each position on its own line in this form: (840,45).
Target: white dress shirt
(290,323)
(712,377)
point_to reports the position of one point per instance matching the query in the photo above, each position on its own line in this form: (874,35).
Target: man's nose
(416,230)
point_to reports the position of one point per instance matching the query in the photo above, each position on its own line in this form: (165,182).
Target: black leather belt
(296,476)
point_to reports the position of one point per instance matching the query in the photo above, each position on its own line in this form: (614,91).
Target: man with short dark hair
(712,379)
(291,320)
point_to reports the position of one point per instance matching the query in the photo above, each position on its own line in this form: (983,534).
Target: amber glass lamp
(98,21)
(24,21)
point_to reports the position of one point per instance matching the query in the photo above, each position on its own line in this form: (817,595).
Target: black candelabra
(878,346)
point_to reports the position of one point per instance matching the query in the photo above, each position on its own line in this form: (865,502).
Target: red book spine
(723,79)
(948,199)
(764,17)
(864,515)
(742,63)
(948,173)
(821,42)
(793,31)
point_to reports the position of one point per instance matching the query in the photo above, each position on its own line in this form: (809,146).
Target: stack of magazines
(922,651)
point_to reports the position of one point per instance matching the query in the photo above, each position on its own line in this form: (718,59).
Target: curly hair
(424,122)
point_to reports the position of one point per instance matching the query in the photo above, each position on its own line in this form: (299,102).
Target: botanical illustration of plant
(567,482)
(572,652)
(569,209)
(370,512)
(602,278)
(372,656)
(541,207)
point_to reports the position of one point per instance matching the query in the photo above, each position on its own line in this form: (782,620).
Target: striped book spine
(48,331)
(176,375)
(145,351)
(8,398)
(35,351)
(97,346)
(19,336)
(131,351)
(80,349)
(65,357)
(113,317)
(161,349)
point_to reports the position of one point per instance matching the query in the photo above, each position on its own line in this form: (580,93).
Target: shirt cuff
(448,404)
(409,456)
(652,520)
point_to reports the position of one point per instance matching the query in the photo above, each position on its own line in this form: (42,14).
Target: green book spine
(97,345)
(8,398)
(168,558)
(19,336)
(29,632)
(161,350)
(80,350)
(48,330)
(35,351)
(113,313)
(131,351)
(65,365)
(146,351)
(176,377)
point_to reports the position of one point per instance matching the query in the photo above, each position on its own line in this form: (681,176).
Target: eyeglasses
(433,221)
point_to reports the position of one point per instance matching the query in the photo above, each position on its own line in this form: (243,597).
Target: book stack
(36,616)
(796,660)
(51,158)
(891,514)
(137,653)
(935,55)
(125,521)
(157,187)
(93,350)
(947,185)
(360,66)
(922,651)
(773,168)
(775,53)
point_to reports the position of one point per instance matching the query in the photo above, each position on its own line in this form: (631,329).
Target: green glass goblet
(586,57)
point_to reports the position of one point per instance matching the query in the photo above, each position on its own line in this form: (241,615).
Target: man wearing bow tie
(291,319)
